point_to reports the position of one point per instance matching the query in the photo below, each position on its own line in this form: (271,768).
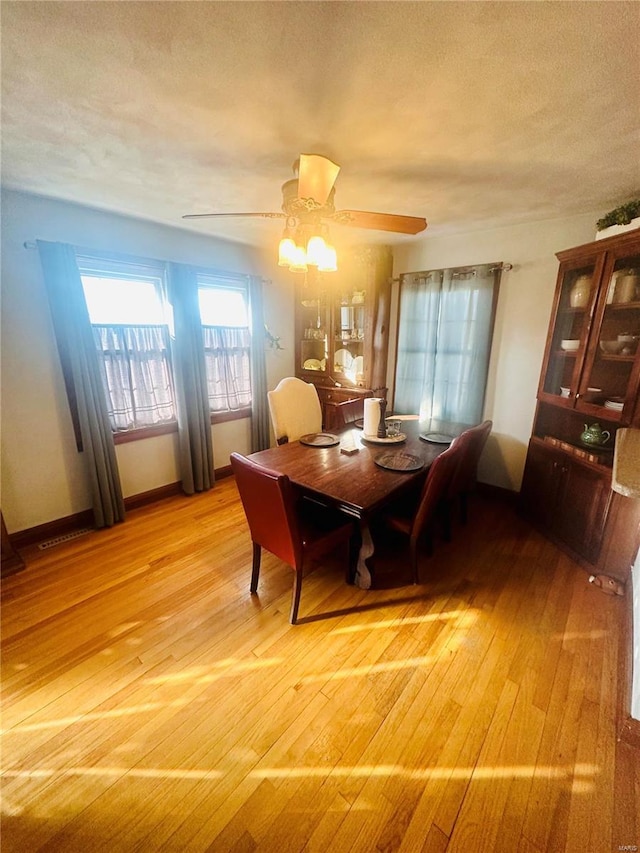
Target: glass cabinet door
(576,302)
(349,337)
(313,331)
(610,378)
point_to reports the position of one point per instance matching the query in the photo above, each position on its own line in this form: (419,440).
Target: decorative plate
(320,439)
(399,461)
(343,359)
(390,439)
(437,437)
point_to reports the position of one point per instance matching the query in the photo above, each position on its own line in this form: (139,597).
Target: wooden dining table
(357,483)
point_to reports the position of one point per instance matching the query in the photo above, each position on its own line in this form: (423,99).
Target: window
(444,341)
(132,337)
(227,342)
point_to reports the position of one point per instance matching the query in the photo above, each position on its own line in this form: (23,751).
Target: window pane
(131,302)
(222,307)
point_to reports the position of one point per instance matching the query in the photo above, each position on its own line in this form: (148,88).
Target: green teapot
(595,435)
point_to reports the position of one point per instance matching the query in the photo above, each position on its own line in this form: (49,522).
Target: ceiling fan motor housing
(292,205)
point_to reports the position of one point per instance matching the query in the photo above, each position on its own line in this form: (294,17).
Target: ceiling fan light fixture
(329,261)
(298,260)
(287,247)
(316,249)
(286,250)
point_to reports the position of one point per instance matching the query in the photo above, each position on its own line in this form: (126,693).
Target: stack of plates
(615,403)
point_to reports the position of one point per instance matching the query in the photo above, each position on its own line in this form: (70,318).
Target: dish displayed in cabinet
(569,345)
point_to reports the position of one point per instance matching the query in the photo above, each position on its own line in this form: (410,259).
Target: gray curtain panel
(259,405)
(444,342)
(192,402)
(84,378)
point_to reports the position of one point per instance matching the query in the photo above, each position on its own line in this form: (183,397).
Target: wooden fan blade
(316,177)
(210,215)
(381,221)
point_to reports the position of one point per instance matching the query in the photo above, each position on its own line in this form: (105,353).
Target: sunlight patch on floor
(582,773)
(207,674)
(102,715)
(400,622)
(368,669)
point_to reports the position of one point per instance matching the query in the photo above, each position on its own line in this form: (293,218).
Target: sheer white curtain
(227,360)
(444,342)
(138,375)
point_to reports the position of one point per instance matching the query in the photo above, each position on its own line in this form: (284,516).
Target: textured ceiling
(472,114)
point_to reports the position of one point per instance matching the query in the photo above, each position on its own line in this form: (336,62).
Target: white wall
(43,477)
(524,309)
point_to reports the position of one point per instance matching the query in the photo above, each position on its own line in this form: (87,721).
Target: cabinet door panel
(540,485)
(611,373)
(582,512)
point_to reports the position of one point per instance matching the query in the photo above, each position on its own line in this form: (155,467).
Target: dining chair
(472,442)
(296,530)
(343,412)
(295,409)
(416,520)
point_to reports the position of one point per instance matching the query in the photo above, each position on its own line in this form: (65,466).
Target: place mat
(320,439)
(389,439)
(399,461)
(437,437)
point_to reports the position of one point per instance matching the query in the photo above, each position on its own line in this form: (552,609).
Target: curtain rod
(501,267)
(28,244)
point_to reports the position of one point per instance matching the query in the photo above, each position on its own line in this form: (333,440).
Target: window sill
(144,432)
(165,429)
(236,415)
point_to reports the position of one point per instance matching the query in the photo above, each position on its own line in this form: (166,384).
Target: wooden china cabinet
(590,375)
(342,328)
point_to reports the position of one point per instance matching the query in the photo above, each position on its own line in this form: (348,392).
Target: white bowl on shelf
(611,347)
(564,392)
(569,345)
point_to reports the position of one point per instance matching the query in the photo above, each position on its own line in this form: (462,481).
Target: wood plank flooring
(150,703)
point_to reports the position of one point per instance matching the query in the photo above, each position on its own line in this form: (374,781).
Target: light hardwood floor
(150,703)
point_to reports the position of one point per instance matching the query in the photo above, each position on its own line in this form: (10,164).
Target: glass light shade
(286,252)
(316,248)
(298,260)
(329,261)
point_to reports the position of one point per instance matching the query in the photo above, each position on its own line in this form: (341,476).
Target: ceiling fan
(308,204)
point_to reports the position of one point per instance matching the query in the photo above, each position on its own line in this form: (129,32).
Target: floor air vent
(60,539)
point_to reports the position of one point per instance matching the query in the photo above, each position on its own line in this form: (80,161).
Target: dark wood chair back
(285,524)
(472,442)
(418,524)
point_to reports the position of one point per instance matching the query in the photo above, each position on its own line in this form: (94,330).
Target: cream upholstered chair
(295,409)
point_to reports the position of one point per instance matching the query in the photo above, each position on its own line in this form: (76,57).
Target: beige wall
(42,474)
(524,308)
